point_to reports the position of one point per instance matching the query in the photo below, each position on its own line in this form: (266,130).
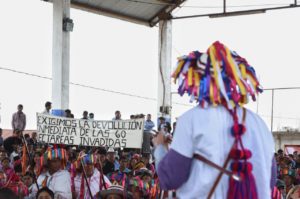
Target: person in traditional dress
(291,190)
(220,149)
(115,192)
(56,178)
(96,180)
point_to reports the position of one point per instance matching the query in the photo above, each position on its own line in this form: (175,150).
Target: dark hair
(102,151)
(45,189)
(48,104)
(29,174)
(7,193)
(67,111)
(280,151)
(20,105)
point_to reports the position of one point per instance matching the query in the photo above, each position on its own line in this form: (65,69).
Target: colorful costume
(60,181)
(219,130)
(95,181)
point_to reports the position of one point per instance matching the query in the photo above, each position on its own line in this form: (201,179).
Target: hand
(160,138)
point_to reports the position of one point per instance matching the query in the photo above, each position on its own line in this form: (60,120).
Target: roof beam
(108,13)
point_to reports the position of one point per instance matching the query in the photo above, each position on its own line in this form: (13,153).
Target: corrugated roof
(146,12)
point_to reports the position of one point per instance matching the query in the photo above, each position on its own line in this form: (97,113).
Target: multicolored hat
(89,159)
(139,165)
(218,77)
(144,172)
(116,190)
(54,153)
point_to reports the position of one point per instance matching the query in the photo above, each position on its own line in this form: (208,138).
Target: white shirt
(207,132)
(45,112)
(94,183)
(59,183)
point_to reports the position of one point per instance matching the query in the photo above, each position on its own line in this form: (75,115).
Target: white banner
(69,131)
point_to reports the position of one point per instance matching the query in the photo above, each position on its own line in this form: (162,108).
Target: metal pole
(224,6)
(272,110)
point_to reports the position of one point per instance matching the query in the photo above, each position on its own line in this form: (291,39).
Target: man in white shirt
(94,178)
(48,106)
(217,131)
(56,179)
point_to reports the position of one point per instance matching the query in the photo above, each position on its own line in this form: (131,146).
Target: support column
(164,71)
(60,58)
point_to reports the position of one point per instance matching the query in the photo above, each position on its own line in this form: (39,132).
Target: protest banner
(99,133)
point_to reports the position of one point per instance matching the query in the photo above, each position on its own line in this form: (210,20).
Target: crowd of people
(288,175)
(31,169)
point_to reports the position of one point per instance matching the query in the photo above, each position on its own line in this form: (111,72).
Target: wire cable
(88,86)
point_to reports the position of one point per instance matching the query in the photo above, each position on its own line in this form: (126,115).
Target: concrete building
(287,140)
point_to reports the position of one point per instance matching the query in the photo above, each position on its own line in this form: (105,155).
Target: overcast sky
(121,56)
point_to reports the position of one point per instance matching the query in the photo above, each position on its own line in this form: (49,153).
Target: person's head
(2,154)
(85,114)
(133,162)
(28,179)
(89,169)
(117,115)
(146,178)
(111,156)
(101,155)
(148,117)
(48,106)
(36,157)
(7,194)
(132,117)
(288,180)
(280,153)
(142,116)
(54,165)
(114,192)
(88,162)
(17,133)
(5,163)
(68,113)
(146,158)
(123,162)
(91,115)
(45,193)
(34,135)
(27,136)
(20,108)
(3,178)
(162,120)
(295,154)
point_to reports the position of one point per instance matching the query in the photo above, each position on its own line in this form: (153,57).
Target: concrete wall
(286,138)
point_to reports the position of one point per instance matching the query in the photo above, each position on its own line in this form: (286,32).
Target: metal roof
(146,12)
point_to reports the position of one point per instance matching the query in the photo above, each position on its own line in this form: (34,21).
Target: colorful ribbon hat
(218,77)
